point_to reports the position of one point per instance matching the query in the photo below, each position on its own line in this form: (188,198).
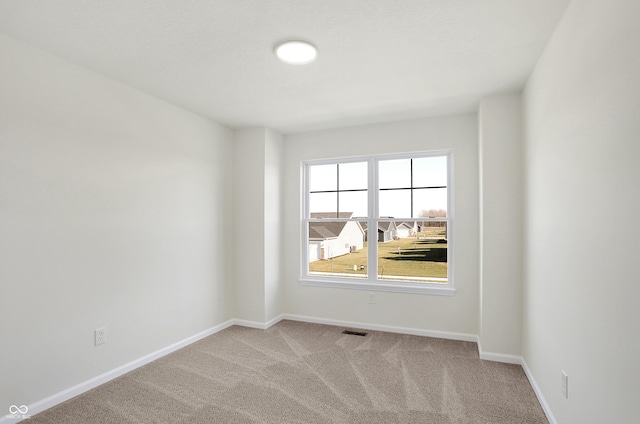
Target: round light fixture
(296,52)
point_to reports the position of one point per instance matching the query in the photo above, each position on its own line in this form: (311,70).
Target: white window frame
(371,282)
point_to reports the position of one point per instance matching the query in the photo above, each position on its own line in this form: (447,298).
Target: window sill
(391,286)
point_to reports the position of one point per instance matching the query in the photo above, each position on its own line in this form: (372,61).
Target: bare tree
(433,213)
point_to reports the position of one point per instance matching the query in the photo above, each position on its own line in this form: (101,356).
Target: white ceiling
(379,60)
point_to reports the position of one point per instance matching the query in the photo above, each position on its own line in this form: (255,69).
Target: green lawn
(408,257)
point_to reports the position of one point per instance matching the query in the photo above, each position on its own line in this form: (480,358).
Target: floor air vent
(354,333)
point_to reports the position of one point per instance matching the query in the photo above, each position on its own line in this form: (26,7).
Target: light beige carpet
(310,373)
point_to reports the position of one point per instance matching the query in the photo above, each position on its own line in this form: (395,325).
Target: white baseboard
(538,392)
(256,324)
(80,388)
(249,324)
(274,321)
(390,329)
(499,357)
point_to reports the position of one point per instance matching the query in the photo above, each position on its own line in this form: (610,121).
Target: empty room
(319,211)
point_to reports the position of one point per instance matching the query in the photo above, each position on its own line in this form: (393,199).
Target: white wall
(112,213)
(500,154)
(452,314)
(353,235)
(274,286)
(249,217)
(582,148)
(335,247)
(314,250)
(258,216)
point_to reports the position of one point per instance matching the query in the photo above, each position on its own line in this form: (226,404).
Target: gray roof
(329,229)
(409,225)
(325,230)
(382,226)
(385,226)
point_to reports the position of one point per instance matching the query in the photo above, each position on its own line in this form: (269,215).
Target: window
(379,223)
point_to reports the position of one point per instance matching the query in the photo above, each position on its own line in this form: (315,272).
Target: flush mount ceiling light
(296,52)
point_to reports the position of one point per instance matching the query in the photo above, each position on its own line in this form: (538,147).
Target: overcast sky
(427,172)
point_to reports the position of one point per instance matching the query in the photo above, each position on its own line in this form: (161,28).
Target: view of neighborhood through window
(408,211)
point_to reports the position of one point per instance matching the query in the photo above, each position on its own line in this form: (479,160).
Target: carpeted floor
(310,373)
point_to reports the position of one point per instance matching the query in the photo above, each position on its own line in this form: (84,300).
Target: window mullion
(337,190)
(411,210)
(372,221)
(306,214)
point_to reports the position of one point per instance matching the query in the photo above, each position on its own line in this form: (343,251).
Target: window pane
(421,257)
(410,246)
(353,176)
(323,177)
(430,172)
(394,173)
(395,203)
(430,202)
(338,249)
(355,202)
(323,203)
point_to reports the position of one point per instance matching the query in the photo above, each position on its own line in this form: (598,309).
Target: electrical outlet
(372,298)
(565,385)
(100,335)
